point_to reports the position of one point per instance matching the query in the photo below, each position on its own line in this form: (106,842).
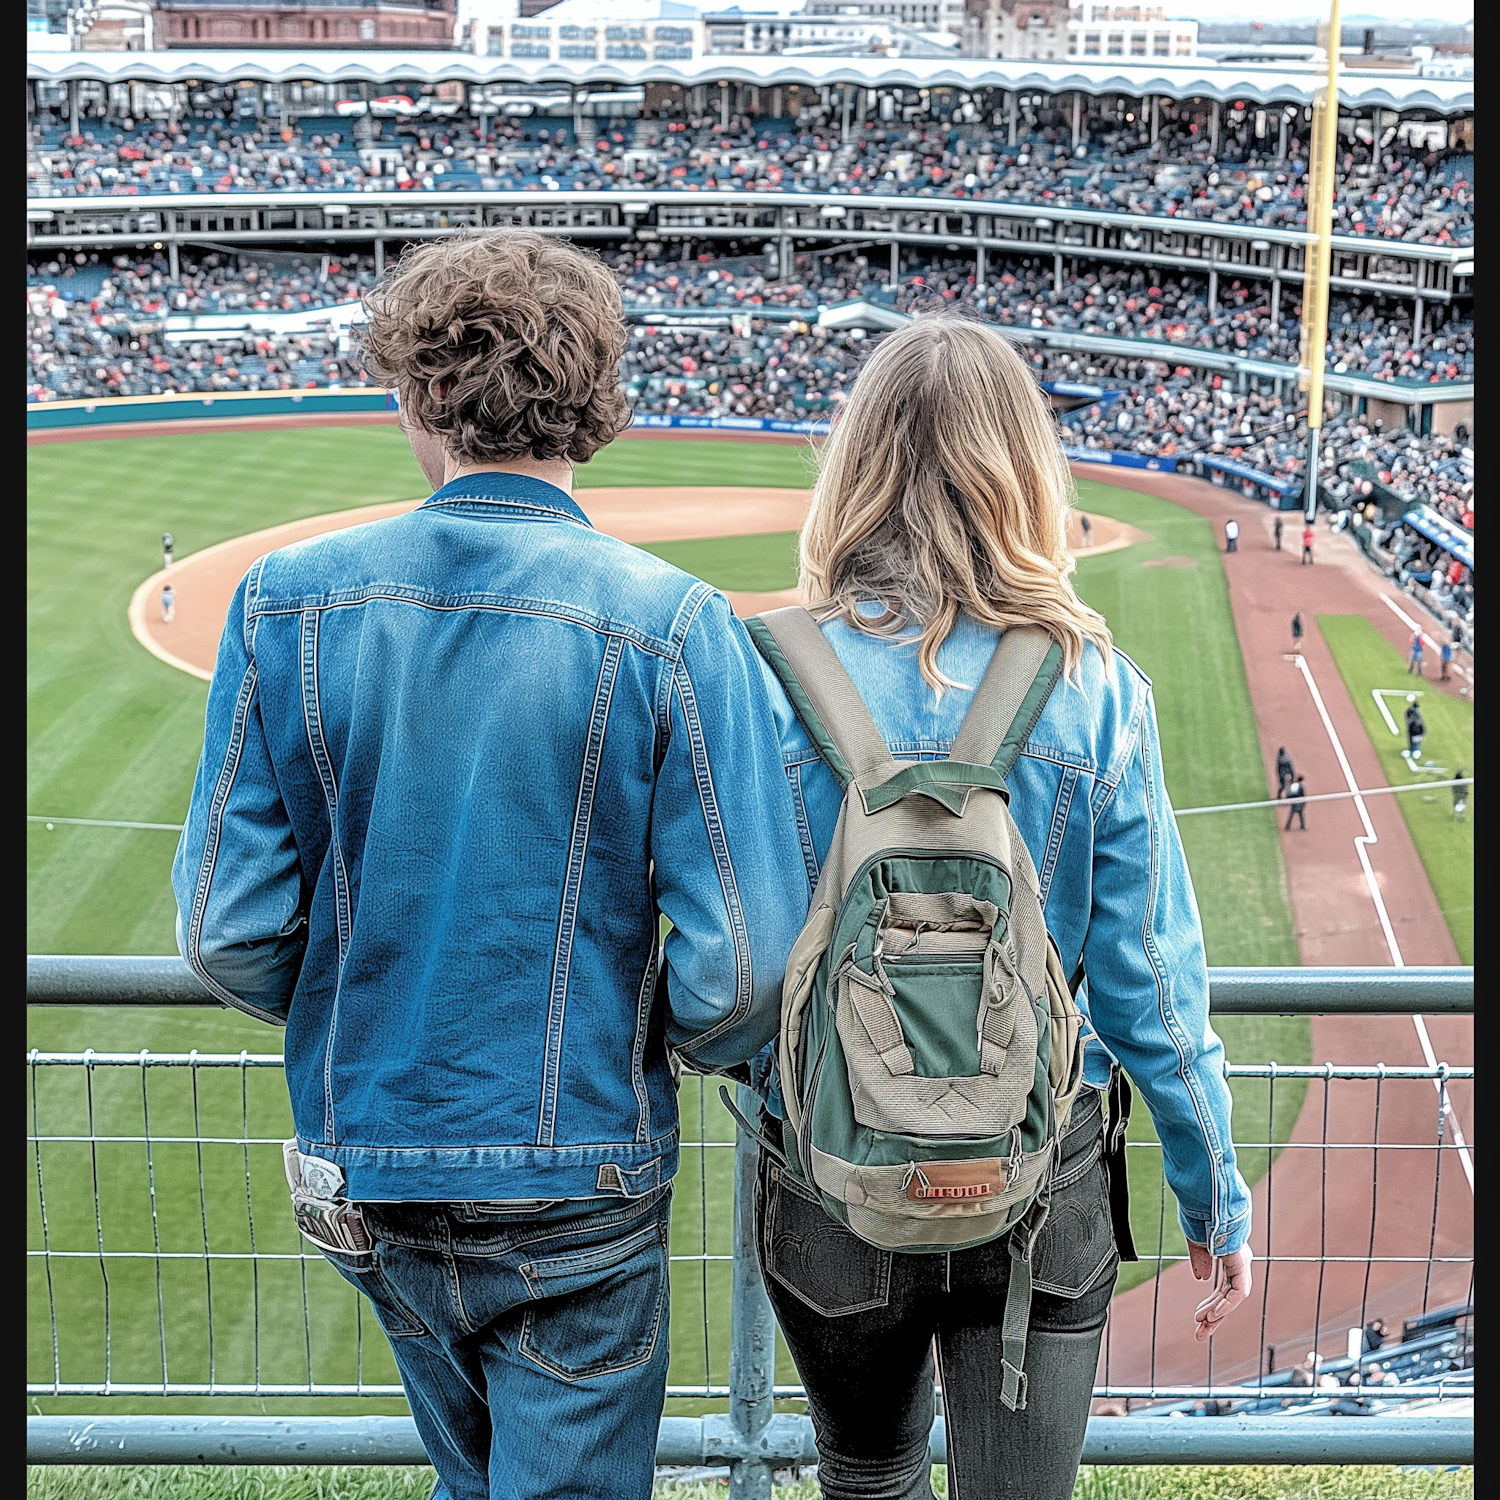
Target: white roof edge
(1186,81)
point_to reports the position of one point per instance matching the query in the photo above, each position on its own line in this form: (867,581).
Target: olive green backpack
(930,1046)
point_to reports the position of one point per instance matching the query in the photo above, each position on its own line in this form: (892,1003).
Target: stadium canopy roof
(1198,79)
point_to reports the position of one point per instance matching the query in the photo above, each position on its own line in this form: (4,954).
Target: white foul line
(1361,846)
(1411,624)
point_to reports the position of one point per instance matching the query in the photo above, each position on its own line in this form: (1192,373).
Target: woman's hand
(1231,1280)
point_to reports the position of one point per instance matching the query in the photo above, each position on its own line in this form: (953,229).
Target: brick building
(345,24)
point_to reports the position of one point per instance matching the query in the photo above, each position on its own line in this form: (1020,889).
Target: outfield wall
(54,416)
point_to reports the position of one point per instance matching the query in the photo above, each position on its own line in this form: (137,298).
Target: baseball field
(113,736)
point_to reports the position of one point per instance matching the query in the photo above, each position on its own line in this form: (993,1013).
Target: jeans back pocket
(815,1257)
(1077,1240)
(599,1309)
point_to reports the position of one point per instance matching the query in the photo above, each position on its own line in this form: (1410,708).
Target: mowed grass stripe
(1366,661)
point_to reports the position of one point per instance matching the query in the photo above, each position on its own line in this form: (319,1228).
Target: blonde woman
(939,521)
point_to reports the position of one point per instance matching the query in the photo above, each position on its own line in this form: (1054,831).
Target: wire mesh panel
(163,1258)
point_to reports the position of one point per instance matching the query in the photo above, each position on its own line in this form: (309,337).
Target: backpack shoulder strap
(1010,698)
(825,700)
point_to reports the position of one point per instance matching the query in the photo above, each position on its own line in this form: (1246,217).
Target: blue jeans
(533,1347)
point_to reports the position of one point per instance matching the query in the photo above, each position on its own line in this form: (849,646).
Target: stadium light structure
(1319,262)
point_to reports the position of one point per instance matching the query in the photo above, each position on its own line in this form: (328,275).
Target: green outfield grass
(413,1484)
(1367,661)
(115,733)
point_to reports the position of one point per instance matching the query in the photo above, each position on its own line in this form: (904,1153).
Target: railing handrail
(166,980)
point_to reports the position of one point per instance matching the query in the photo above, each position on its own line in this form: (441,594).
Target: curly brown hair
(504,343)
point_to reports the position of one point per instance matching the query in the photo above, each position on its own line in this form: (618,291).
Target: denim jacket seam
(708,801)
(804,828)
(208,860)
(312,722)
(643,1001)
(1129,742)
(1057,832)
(562,953)
(456,604)
(1169,1021)
(688,610)
(524,507)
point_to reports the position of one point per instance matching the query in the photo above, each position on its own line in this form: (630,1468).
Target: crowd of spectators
(79,308)
(1398,192)
(103,329)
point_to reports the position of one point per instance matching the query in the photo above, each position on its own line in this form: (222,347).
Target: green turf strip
(1366,661)
(1166,1483)
(115,733)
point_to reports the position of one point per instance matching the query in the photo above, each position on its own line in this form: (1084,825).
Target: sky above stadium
(1287,11)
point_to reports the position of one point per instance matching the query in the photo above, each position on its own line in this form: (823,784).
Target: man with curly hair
(459,765)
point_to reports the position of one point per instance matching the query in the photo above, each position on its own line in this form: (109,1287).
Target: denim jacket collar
(513,492)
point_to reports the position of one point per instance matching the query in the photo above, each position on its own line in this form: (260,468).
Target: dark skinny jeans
(861,1325)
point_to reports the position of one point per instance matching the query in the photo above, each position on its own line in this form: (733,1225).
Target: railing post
(752,1348)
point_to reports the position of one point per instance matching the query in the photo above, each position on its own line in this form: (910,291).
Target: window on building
(495,42)
(1091,44)
(367,31)
(625,52)
(670,53)
(530,49)
(1116,47)
(579,51)
(1137,43)
(531,33)
(1184,46)
(679,34)
(575,33)
(1161,44)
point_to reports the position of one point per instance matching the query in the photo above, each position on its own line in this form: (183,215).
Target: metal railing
(162,1262)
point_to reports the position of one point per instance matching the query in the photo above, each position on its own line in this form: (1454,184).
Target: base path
(205,582)
(1315,1202)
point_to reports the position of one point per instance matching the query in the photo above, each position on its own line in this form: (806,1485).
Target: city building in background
(343,24)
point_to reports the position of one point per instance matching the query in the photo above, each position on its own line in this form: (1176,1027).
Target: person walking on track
(1416,729)
(1296,791)
(1284,771)
(1414,654)
(166,549)
(1276,532)
(1231,535)
(1460,794)
(1297,631)
(1087,527)
(1308,537)
(939,520)
(458,766)
(1445,655)
(168,604)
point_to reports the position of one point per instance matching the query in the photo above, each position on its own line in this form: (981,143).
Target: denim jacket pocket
(1077,1241)
(600,1309)
(813,1256)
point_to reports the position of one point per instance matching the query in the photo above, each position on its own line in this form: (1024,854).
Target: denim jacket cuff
(1227,1237)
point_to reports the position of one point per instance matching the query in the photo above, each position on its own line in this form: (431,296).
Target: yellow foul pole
(1322,165)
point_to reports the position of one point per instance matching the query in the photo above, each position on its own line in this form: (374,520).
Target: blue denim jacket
(1088,797)
(456,764)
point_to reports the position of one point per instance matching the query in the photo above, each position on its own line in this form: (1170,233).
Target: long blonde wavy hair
(943,490)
